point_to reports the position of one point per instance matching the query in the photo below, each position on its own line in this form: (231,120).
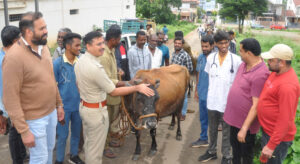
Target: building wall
(210,6)
(276,1)
(90,12)
(291,5)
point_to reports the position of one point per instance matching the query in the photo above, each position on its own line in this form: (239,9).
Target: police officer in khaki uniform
(94,84)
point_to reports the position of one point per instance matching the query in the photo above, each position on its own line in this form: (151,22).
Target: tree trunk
(242,27)
(239,20)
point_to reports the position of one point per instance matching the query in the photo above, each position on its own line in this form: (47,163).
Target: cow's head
(144,108)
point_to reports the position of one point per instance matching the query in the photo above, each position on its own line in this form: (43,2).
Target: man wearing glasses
(221,67)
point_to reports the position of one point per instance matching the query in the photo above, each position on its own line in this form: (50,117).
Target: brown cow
(170,84)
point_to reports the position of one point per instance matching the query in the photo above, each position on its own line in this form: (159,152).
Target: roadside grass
(183,26)
(287,30)
(266,43)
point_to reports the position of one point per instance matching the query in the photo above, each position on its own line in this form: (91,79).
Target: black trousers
(243,153)
(16,146)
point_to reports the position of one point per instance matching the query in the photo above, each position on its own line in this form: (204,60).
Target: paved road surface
(170,151)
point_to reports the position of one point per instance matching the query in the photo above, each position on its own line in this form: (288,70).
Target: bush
(183,26)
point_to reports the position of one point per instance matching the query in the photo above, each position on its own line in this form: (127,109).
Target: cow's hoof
(135,157)
(152,153)
(171,127)
(178,138)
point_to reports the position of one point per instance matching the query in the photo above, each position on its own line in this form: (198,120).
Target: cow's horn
(137,81)
(157,83)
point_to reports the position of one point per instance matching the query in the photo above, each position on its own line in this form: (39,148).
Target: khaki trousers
(95,128)
(114,121)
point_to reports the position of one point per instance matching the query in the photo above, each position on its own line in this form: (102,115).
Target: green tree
(200,12)
(159,10)
(239,9)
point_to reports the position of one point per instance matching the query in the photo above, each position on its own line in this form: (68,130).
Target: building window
(127,6)
(74,11)
(15,17)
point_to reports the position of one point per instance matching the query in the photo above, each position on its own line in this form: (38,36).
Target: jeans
(44,131)
(16,146)
(185,104)
(280,151)
(243,153)
(63,132)
(203,119)
(214,118)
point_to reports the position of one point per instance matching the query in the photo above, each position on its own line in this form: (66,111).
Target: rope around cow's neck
(140,118)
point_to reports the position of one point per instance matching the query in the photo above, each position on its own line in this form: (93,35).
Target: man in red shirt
(277,104)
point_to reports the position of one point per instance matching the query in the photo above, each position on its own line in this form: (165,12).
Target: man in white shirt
(200,31)
(155,53)
(221,67)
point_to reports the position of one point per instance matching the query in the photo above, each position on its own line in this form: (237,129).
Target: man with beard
(164,49)
(66,81)
(155,53)
(138,56)
(221,67)
(207,45)
(109,63)
(30,94)
(60,50)
(180,57)
(277,105)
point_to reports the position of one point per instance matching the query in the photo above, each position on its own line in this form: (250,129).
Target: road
(170,151)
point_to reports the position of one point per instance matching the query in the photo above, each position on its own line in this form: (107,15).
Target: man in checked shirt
(181,57)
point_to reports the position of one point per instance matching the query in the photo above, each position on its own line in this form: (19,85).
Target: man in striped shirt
(181,57)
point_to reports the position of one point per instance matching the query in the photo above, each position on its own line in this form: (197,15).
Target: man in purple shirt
(240,112)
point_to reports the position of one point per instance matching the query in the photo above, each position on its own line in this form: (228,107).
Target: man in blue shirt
(9,35)
(207,44)
(165,30)
(65,76)
(164,49)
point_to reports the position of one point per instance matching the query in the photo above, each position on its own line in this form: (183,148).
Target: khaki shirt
(108,60)
(92,80)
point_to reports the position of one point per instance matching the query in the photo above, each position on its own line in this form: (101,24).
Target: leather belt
(93,105)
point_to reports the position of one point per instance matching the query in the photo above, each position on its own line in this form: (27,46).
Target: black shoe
(75,160)
(206,157)
(226,160)
(56,162)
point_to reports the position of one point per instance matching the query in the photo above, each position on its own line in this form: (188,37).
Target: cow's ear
(137,81)
(157,83)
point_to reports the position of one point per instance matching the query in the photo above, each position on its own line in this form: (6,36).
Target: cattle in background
(170,84)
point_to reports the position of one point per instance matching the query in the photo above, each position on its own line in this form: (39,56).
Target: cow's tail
(187,74)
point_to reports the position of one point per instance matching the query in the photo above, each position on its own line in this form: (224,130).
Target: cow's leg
(171,127)
(137,152)
(189,89)
(178,133)
(153,149)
